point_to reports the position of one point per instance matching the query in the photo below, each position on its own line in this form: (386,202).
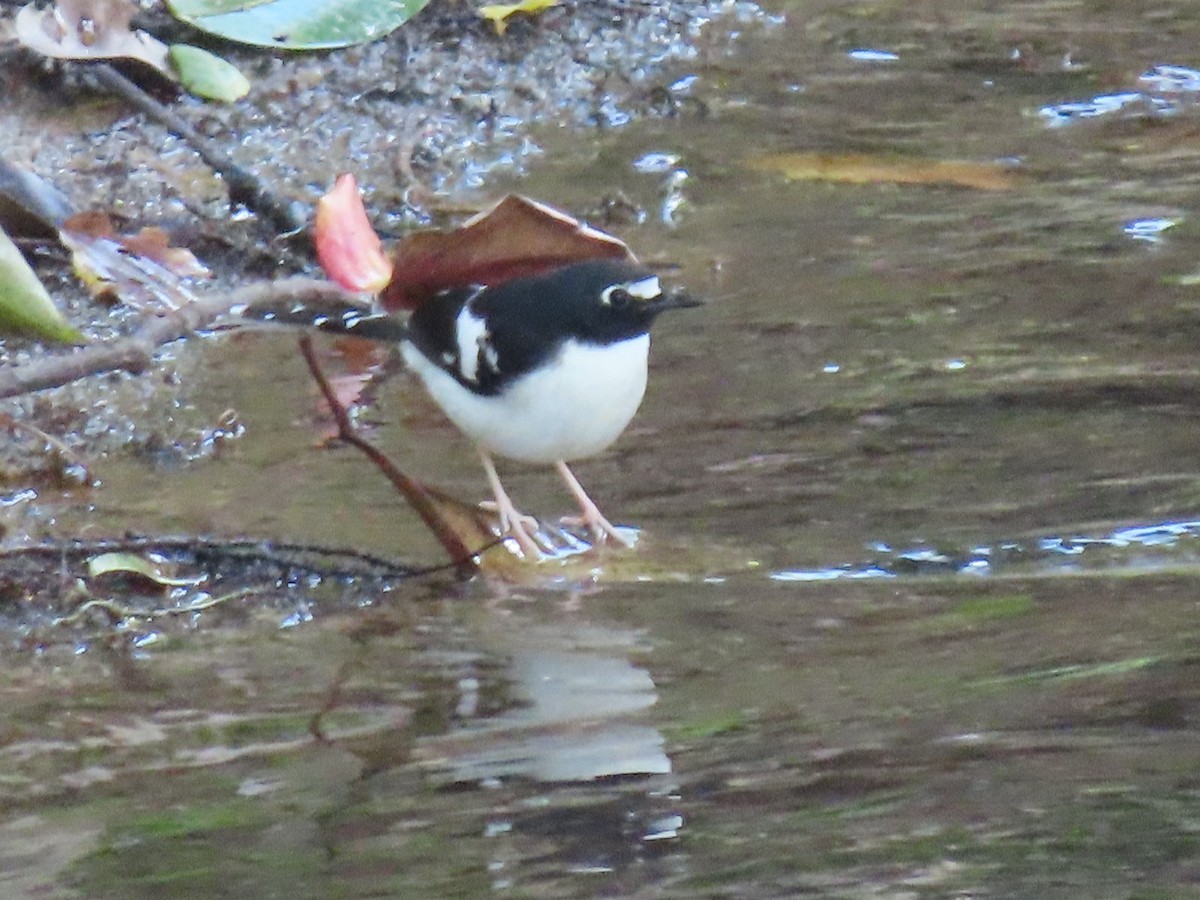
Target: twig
(244,186)
(417,495)
(118,611)
(135,353)
(50,440)
(355,563)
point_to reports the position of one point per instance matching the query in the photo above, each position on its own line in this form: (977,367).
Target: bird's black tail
(332,317)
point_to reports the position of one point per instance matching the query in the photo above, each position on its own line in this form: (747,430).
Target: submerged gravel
(439,105)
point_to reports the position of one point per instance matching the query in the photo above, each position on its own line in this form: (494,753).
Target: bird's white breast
(574,406)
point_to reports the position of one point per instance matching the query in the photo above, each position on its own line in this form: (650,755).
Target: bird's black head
(602,300)
(485,337)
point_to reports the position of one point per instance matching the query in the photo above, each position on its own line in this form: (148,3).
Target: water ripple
(1163,90)
(1173,543)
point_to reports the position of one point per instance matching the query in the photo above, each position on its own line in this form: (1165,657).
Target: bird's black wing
(508,331)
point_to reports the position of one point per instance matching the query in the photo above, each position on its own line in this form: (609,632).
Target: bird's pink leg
(522,528)
(591,517)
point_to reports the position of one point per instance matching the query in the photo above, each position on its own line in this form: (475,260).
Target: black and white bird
(542,369)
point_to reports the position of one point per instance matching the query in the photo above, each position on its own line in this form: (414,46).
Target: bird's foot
(601,529)
(590,516)
(522,528)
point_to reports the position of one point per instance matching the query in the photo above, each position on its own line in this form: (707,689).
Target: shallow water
(914,611)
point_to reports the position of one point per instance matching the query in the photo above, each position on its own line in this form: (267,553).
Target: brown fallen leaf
(864,168)
(155,244)
(515,238)
(90,29)
(141,270)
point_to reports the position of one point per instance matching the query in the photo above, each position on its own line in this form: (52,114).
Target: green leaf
(297,24)
(207,75)
(130,564)
(25,307)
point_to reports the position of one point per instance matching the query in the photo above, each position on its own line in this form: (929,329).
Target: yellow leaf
(132,565)
(863,168)
(498,12)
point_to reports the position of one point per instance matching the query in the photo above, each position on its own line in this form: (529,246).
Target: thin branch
(135,353)
(244,186)
(118,611)
(419,497)
(49,440)
(207,552)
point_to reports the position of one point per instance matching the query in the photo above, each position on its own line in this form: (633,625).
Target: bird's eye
(625,293)
(616,296)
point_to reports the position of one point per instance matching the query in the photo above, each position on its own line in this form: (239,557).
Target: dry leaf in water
(863,168)
(515,238)
(90,29)
(142,270)
(155,244)
(138,572)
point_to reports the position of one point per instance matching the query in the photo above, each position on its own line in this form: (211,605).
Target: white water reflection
(1169,79)
(1163,90)
(573,698)
(1150,230)
(1170,541)
(867,55)
(1059,114)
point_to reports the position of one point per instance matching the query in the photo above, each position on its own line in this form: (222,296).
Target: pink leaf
(347,246)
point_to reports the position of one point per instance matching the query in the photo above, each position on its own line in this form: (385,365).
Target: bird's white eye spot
(646,289)
(643,289)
